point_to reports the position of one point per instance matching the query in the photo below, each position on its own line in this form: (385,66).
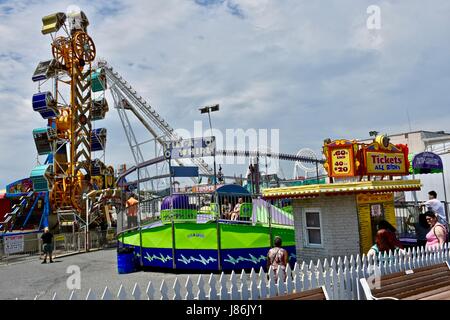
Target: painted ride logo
(196,235)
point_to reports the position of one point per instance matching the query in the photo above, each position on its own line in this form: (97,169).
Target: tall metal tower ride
(70,138)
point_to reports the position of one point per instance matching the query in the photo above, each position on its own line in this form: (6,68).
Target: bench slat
(403,292)
(408,280)
(313,294)
(440,296)
(428,293)
(431,282)
(319,296)
(425,289)
(424,270)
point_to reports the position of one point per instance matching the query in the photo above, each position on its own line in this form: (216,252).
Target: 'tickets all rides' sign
(348,158)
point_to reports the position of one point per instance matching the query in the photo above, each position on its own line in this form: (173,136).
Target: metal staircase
(17,212)
(69,220)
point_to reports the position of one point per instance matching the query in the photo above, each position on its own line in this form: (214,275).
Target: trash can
(126,260)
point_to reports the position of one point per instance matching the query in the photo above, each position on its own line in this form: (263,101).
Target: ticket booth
(341,218)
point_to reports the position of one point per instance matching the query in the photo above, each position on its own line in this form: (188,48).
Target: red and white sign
(14,244)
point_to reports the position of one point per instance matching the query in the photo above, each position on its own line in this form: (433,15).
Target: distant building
(420,141)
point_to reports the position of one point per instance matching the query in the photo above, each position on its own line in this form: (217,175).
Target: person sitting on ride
(205,207)
(226,209)
(237,209)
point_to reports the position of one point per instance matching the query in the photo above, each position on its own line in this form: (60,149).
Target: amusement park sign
(341,160)
(427,162)
(385,163)
(349,158)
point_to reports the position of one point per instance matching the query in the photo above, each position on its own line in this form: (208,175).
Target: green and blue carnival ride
(193,231)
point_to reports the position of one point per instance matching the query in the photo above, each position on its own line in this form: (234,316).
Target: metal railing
(225,208)
(18,247)
(217,212)
(405,209)
(207,208)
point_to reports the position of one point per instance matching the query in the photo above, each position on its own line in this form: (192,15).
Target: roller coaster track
(281,156)
(226,153)
(126,98)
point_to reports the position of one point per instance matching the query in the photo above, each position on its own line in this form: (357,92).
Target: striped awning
(309,191)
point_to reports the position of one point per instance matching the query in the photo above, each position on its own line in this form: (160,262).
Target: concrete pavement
(28,279)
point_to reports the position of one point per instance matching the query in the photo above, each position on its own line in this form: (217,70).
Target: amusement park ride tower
(70,139)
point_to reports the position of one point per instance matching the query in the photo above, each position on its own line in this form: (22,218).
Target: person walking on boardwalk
(277,256)
(438,232)
(47,241)
(391,233)
(384,242)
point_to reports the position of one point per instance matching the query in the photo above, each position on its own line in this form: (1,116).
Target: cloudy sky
(311,69)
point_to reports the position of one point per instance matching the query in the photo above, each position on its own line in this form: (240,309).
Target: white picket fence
(339,276)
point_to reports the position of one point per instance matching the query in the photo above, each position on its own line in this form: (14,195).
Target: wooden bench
(427,283)
(313,294)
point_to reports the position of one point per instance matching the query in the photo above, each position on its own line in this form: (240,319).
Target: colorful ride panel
(192,246)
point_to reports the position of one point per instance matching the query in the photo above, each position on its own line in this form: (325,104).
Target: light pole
(209,109)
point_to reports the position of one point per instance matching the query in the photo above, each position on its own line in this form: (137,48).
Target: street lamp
(209,109)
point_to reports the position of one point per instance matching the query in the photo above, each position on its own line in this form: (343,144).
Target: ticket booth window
(313,231)
(376,215)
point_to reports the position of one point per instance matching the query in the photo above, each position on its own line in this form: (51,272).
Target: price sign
(342,162)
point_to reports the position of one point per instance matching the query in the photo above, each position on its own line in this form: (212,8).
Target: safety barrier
(340,277)
(19,247)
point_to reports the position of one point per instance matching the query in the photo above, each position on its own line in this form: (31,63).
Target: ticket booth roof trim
(342,188)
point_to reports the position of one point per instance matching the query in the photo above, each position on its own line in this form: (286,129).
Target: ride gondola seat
(42,138)
(44,104)
(39,176)
(45,70)
(98,79)
(53,22)
(99,109)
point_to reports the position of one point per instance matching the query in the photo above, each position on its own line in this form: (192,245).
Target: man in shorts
(47,241)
